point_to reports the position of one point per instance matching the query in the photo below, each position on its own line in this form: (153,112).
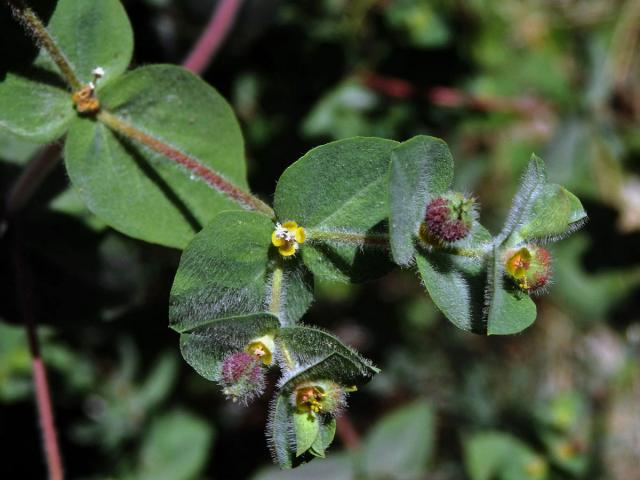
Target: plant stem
(212,178)
(276,291)
(31,178)
(213,36)
(380,240)
(43,38)
(347,432)
(43,395)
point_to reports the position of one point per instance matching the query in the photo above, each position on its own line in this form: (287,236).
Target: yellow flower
(288,237)
(517,266)
(261,348)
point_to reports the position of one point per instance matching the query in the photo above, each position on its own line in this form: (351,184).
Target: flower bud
(323,396)
(448,218)
(529,267)
(241,377)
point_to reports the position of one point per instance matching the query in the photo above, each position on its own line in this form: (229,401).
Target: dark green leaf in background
(400,445)
(176,447)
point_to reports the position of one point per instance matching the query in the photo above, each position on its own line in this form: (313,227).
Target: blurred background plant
(497,80)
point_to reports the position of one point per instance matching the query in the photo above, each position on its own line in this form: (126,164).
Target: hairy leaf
(338,192)
(421,169)
(540,210)
(34,111)
(456,283)
(222,294)
(140,192)
(280,433)
(91,34)
(310,346)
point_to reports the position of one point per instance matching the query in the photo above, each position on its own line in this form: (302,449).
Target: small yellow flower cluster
(288,237)
(310,399)
(517,266)
(261,348)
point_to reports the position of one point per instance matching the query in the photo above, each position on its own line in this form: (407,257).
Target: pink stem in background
(213,36)
(41,385)
(31,178)
(451,97)
(347,432)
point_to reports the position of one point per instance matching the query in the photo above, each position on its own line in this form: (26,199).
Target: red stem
(31,178)
(347,432)
(450,97)
(41,385)
(213,36)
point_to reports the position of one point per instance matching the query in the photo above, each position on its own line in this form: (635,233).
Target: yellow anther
(288,237)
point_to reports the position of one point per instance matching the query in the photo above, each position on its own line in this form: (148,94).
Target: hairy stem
(212,178)
(31,178)
(41,385)
(275,295)
(213,36)
(379,240)
(43,38)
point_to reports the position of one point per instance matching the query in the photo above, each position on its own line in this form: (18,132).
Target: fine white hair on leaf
(572,228)
(280,431)
(532,182)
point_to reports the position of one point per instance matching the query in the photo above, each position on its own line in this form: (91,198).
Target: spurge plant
(158,155)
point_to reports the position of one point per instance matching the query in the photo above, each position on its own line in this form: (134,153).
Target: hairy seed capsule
(241,377)
(448,218)
(529,267)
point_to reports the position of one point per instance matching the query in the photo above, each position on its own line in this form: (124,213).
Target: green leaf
(338,467)
(421,169)
(491,455)
(338,192)
(91,34)
(400,445)
(34,111)
(541,210)
(457,283)
(329,360)
(222,293)
(307,428)
(280,435)
(176,447)
(555,213)
(311,346)
(324,438)
(138,191)
(508,310)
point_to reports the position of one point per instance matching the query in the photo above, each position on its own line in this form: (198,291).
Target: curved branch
(213,36)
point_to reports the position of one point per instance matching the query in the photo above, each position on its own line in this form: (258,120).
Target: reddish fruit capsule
(241,377)
(529,267)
